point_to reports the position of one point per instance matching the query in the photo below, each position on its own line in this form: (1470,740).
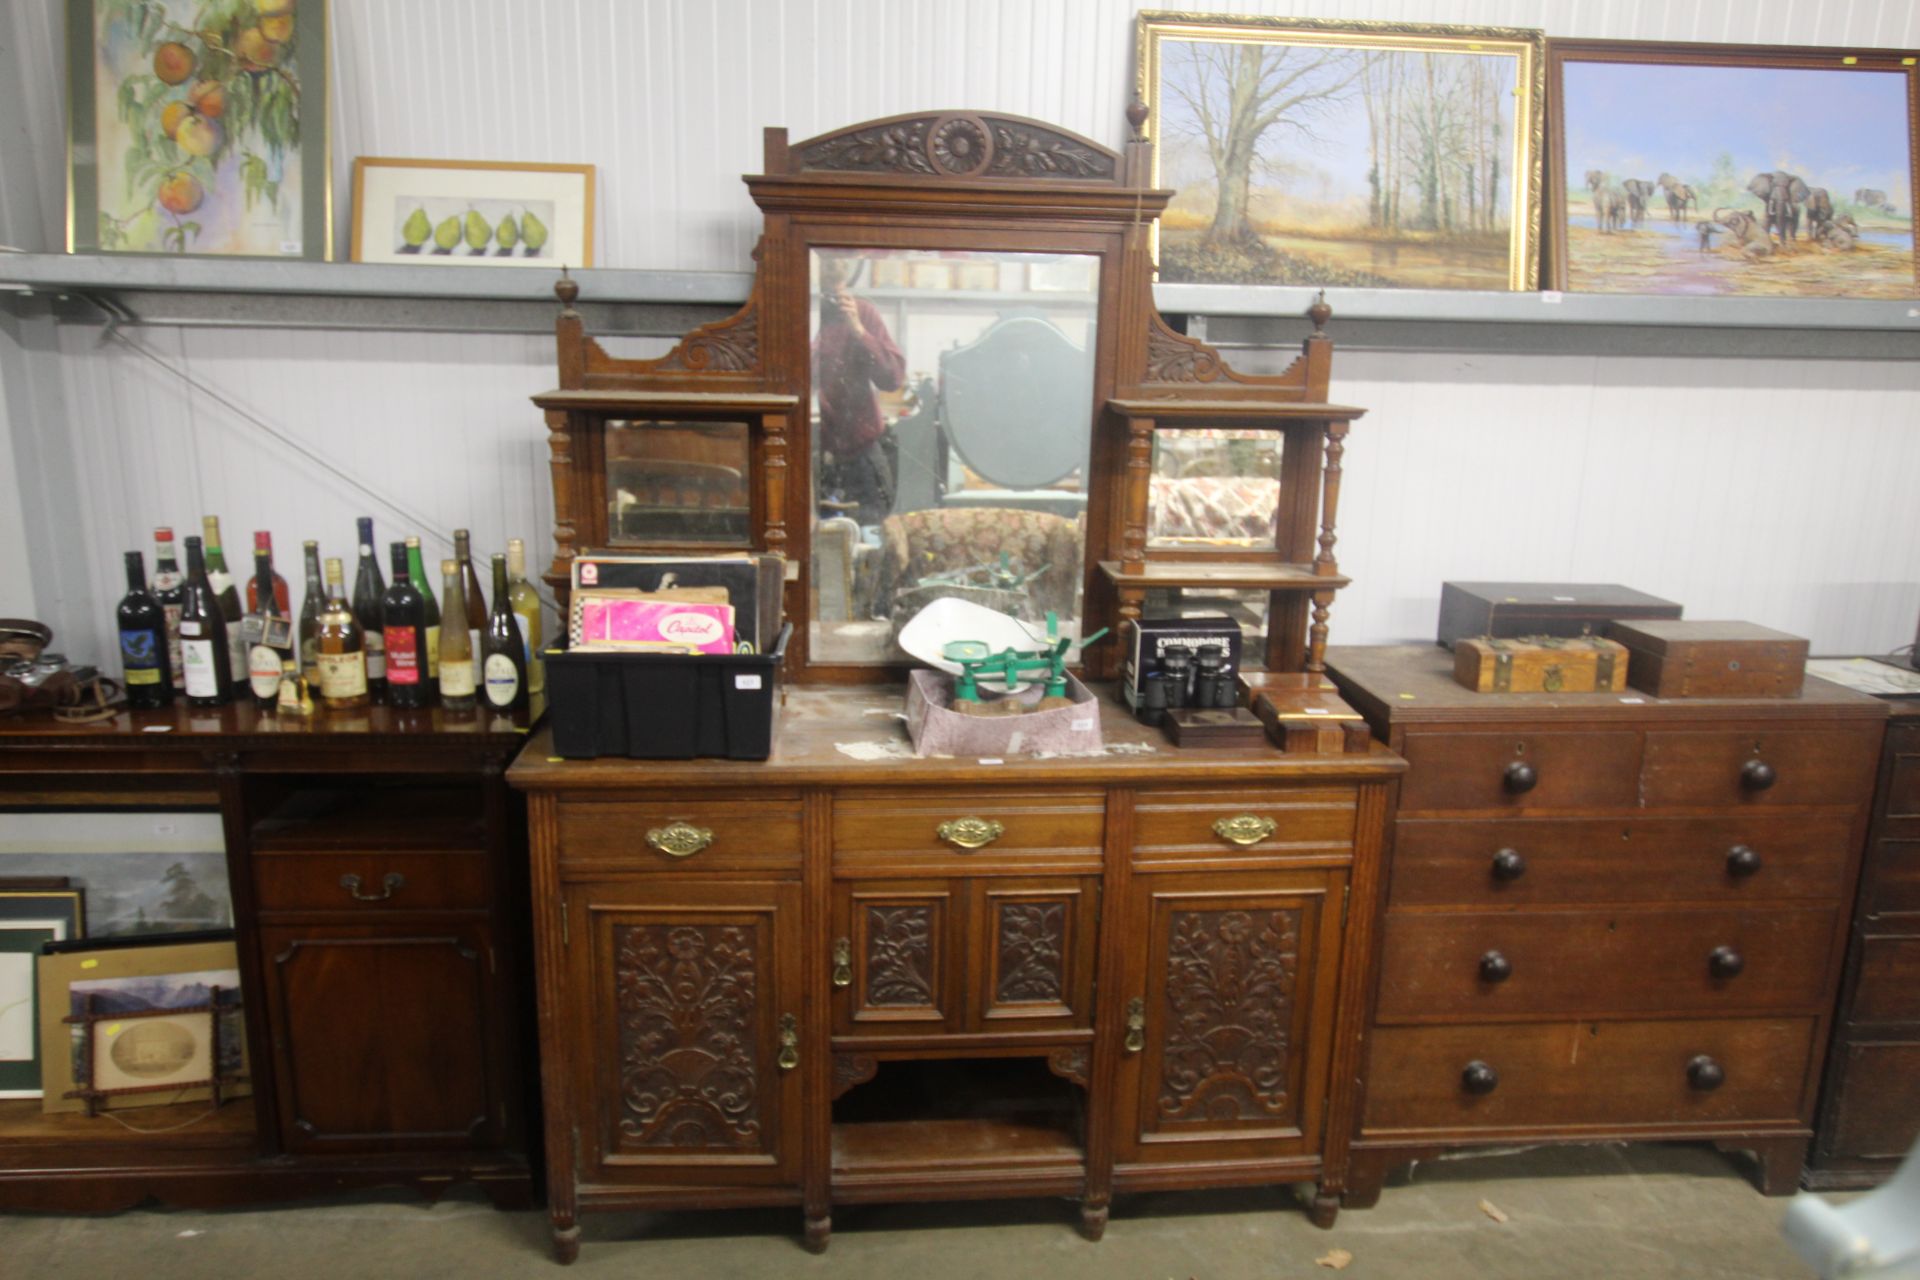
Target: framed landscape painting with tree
(1734,169)
(1371,154)
(198,127)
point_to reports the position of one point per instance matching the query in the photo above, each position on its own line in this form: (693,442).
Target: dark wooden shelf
(1038,1138)
(1258,575)
(412,818)
(24,1125)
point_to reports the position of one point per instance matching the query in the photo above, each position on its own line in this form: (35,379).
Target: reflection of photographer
(852,355)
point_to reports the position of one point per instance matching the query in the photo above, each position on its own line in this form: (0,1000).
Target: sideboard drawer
(970,828)
(1494,1076)
(615,837)
(1215,824)
(1480,862)
(1760,766)
(1521,770)
(1634,961)
(371,882)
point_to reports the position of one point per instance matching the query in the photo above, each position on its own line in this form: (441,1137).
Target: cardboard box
(938,730)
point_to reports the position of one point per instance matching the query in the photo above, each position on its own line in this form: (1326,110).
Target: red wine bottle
(143,641)
(263,541)
(168,590)
(203,636)
(403,618)
(503,654)
(368,588)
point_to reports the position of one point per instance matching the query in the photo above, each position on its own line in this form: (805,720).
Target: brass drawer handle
(679,839)
(1136,1024)
(789,1043)
(1244,829)
(392,881)
(970,833)
(842,962)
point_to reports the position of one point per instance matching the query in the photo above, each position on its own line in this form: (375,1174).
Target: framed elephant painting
(1733,170)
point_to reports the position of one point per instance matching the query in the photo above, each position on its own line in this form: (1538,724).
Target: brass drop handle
(1508,865)
(1479,1078)
(1495,967)
(789,1043)
(1136,1025)
(1756,775)
(391,881)
(1243,829)
(1704,1074)
(1725,962)
(1742,861)
(842,962)
(679,839)
(1519,778)
(970,833)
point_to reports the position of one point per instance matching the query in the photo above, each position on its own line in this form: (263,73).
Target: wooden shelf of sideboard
(1252,575)
(104,1142)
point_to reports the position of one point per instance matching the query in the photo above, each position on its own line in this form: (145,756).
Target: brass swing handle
(393,880)
(970,833)
(1244,829)
(842,962)
(679,839)
(1136,1025)
(789,1056)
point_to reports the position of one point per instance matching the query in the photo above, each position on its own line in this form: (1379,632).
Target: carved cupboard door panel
(1031,948)
(687,1046)
(895,956)
(1227,1014)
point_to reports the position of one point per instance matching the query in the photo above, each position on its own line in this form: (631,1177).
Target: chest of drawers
(1607,916)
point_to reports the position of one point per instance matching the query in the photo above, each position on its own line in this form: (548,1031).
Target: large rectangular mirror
(952,414)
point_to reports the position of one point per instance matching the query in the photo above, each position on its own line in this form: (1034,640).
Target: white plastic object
(1876,1235)
(950,618)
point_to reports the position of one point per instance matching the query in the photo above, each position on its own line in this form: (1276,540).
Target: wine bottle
(526,607)
(268,632)
(503,654)
(417,575)
(203,635)
(167,589)
(343,651)
(476,602)
(403,619)
(311,608)
(263,541)
(368,587)
(143,641)
(456,643)
(228,594)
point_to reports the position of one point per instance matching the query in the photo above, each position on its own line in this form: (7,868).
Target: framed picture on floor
(472,213)
(1692,169)
(198,127)
(29,918)
(142,873)
(1369,154)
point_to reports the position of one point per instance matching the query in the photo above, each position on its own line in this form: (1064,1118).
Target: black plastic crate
(664,706)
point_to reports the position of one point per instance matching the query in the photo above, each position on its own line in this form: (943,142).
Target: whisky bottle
(263,541)
(168,589)
(403,617)
(343,656)
(203,636)
(503,661)
(311,608)
(268,632)
(221,579)
(456,643)
(417,575)
(143,641)
(368,587)
(526,607)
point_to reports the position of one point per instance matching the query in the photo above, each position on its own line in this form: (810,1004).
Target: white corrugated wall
(1775,491)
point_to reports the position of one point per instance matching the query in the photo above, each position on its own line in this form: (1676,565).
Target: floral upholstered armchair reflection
(1023,563)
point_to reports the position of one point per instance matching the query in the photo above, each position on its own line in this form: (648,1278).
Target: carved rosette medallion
(959,147)
(686,999)
(1032,961)
(900,957)
(1229,1015)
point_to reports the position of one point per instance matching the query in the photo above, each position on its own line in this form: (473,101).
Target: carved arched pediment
(960,145)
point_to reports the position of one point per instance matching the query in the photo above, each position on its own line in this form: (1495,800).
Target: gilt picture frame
(199,128)
(1733,170)
(1361,154)
(459,213)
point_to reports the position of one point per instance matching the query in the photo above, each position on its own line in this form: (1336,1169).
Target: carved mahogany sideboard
(377,868)
(844,976)
(1608,917)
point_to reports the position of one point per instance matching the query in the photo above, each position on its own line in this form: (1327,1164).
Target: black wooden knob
(1742,861)
(1725,962)
(1704,1074)
(1495,967)
(1519,777)
(1756,775)
(1479,1078)
(1509,865)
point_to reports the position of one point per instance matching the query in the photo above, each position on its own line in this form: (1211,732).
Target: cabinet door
(386,1036)
(898,951)
(1227,1015)
(1031,943)
(683,1008)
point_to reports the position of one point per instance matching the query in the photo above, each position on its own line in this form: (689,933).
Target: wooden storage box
(1311,721)
(1508,609)
(1541,664)
(1712,659)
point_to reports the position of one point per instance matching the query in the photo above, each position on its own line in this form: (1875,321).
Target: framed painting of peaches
(198,127)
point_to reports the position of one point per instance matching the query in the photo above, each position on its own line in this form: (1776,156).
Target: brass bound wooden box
(1540,664)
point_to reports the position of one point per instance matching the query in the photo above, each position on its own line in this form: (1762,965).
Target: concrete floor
(1611,1211)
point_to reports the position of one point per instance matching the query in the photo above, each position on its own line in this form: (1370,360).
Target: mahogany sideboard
(377,868)
(1608,916)
(848,975)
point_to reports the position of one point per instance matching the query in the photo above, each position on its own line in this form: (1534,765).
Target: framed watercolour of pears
(198,127)
(472,213)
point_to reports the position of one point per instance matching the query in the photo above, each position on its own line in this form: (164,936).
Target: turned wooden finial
(566,288)
(1320,313)
(1137,117)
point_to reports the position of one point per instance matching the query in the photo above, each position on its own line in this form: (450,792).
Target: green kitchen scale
(1011,667)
